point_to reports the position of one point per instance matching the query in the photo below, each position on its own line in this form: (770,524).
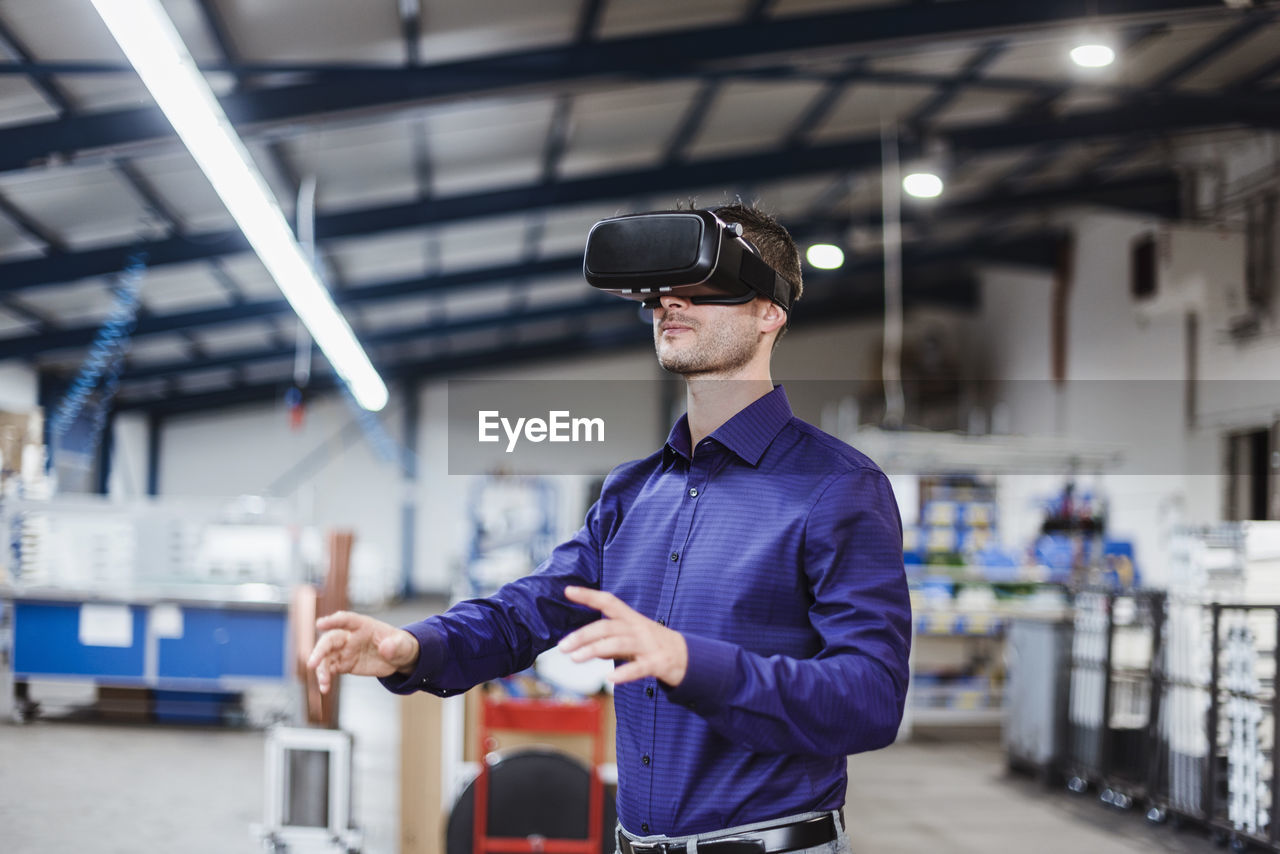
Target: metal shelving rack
(1222,727)
(1115,695)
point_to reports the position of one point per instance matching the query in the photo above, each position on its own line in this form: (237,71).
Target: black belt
(809,833)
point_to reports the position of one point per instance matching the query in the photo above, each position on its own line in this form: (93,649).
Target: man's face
(694,340)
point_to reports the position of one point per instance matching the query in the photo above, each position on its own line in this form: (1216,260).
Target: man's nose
(669,301)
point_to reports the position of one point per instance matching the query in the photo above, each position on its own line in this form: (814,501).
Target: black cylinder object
(532,791)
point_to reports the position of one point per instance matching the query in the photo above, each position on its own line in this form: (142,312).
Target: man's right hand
(360,645)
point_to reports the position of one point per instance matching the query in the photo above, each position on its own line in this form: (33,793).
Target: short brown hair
(777,248)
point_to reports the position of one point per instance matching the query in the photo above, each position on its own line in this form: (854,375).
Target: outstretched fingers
(606,603)
(601,639)
(330,642)
(641,668)
(340,620)
(327,658)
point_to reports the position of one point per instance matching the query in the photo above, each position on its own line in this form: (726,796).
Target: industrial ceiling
(462,150)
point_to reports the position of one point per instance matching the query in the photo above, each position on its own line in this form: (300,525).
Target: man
(748,576)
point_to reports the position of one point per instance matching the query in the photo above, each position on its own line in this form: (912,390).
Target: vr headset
(691,254)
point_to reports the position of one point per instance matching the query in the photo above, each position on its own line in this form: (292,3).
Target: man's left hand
(650,649)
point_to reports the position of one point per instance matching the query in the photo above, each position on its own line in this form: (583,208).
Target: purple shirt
(777,552)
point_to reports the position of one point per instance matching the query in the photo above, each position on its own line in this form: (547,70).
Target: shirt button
(675,555)
(644,827)
(645,759)
(648,692)
(693,493)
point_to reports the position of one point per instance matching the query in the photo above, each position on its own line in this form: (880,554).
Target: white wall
(128,476)
(253,450)
(19,387)
(1125,374)
(248,450)
(1126,377)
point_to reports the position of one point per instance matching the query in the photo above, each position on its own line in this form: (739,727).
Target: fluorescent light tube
(149,40)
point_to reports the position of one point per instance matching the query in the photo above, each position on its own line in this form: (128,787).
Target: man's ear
(771,316)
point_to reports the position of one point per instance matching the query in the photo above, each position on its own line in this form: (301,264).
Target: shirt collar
(746,434)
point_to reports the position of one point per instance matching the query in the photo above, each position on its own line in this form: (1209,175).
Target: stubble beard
(724,348)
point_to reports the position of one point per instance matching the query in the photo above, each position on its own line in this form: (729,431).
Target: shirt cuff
(431,658)
(708,675)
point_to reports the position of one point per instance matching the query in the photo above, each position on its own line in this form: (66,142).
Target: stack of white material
(1248,770)
(88,543)
(1088,673)
(85,550)
(1232,563)
(1262,562)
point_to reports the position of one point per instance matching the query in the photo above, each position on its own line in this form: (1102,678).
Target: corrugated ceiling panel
(455,30)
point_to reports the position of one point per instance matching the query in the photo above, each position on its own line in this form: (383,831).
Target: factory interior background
(1042,292)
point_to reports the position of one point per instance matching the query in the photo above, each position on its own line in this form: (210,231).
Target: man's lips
(673,327)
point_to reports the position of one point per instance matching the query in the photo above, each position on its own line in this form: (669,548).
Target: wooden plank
(422,811)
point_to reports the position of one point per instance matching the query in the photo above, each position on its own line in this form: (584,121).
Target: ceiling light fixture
(922,185)
(152,44)
(825,256)
(1093,55)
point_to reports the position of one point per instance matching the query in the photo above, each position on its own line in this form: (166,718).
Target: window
(1253,472)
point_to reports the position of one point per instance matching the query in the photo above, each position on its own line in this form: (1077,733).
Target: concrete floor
(94,788)
(942,794)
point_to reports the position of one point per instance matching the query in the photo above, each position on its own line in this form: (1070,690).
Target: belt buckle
(654,847)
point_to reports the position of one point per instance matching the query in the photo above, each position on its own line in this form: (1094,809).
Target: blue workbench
(203,642)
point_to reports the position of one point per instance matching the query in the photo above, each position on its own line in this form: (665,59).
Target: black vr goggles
(691,254)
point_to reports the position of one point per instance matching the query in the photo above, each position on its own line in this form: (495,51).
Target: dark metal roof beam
(685,50)
(972,69)
(149,196)
(589,14)
(1130,38)
(422,169)
(1164,115)
(29,315)
(821,106)
(557,137)
(10,44)
(48,87)
(759,10)
(1036,249)
(43,81)
(504,320)
(1042,106)
(1151,192)
(849,303)
(1247,26)
(1255,78)
(411,30)
(690,122)
(1166,81)
(1046,90)
(220,33)
(31,228)
(175,403)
